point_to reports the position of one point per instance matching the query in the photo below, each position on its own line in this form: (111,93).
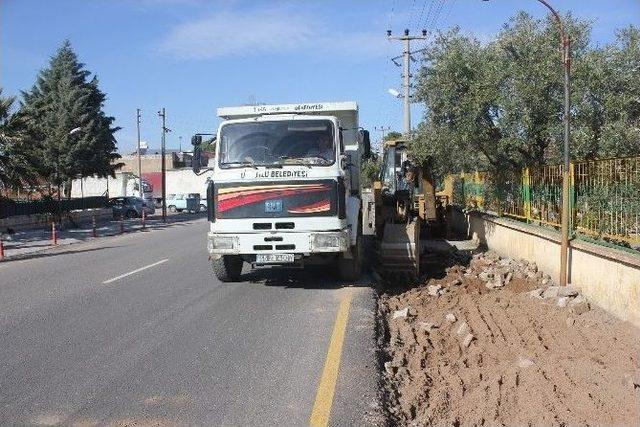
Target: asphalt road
(169,344)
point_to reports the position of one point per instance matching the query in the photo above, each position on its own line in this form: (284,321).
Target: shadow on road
(48,254)
(315,277)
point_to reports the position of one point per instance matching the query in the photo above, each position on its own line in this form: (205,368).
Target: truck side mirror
(196,141)
(365,141)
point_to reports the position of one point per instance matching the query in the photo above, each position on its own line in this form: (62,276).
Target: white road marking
(138,270)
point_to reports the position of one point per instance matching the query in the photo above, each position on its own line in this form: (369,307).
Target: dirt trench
(462,351)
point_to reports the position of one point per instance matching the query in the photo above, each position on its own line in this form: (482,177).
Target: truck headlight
(221,242)
(325,242)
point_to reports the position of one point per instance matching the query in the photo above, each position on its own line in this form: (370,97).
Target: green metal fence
(604,196)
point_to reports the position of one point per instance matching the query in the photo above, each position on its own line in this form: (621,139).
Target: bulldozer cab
(394,155)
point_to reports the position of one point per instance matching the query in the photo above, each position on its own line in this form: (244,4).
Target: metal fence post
(54,235)
(526,193)
(572,199)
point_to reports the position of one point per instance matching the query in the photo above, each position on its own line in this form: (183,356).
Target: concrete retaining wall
(25,222)
(609,277)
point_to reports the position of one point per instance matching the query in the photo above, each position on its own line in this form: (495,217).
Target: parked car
(184,202)
(126,207)
(130,207)
(176,202)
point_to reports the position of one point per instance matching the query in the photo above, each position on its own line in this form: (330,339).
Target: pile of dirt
(498,343)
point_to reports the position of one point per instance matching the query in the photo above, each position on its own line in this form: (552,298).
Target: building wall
(608,277)
(150,162)
(179,181)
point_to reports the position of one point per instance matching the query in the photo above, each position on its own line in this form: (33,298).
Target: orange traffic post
(1,248)
(54,235)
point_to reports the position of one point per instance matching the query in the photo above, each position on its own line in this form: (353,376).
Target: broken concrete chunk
(389,368)
(426,326)
(563,301)
(462,329)
(523,362)
(401,314)
(455,282)
(551,292)
(508,278)
(485,276)
(495,283)
(567,291)
(450,317)
(434,290)
(579,305)
(467,341)
(570,321)
(536,293)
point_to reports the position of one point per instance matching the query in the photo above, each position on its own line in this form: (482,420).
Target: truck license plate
(273,206)
(274,258)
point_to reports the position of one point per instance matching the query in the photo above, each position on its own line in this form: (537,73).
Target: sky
(192,56)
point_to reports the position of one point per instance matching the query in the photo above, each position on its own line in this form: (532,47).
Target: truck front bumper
(305,243)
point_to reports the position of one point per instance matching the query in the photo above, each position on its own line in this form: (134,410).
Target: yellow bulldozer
(405,210)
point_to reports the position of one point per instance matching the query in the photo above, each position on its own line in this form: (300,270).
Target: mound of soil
(461,352)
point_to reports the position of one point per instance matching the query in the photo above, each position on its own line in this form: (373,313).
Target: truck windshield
(276,143)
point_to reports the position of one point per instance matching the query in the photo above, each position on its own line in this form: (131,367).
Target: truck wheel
(350,268)
(227,268)
(172,209)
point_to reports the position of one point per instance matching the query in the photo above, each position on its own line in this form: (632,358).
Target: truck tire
(227,268)
(351,268)
(172,209)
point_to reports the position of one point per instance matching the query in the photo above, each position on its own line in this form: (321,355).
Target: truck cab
(286,188)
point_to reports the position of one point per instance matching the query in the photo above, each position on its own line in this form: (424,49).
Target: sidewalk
(23,243)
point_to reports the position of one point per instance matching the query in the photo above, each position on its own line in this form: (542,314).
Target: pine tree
(15,162)
(72,135)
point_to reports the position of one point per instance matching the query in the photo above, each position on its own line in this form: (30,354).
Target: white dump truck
(286,187)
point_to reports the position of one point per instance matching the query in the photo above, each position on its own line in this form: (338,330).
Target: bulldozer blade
(399,250)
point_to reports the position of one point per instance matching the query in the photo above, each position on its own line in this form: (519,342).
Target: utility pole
(139,160)
(406,73)
(384,131)
(164,166)
(180,143)
(565,48)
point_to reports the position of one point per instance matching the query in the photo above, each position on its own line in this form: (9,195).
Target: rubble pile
(496,338)
(495,272)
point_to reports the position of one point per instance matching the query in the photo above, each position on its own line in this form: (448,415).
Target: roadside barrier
(54,235)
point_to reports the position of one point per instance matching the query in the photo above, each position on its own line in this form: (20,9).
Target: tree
(72,135)
(392,136)
(498,106)
(15,162)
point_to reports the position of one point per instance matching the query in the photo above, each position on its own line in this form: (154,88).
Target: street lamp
(394,93)
(565,44)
